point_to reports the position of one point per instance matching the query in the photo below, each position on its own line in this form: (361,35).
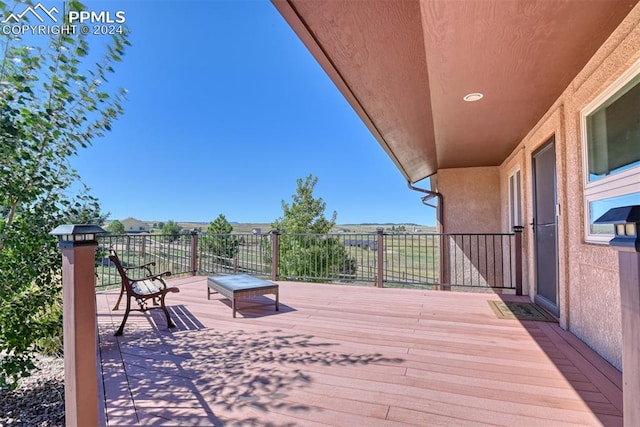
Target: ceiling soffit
(520,54)
(405,66)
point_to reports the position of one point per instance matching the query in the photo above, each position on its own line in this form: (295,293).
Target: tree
(171,228)
(54,101)
(219,241)
(305,214)
(306,251)
(399,229)
(116,227)
(220,226)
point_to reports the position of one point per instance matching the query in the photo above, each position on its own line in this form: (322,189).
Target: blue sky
(226,110)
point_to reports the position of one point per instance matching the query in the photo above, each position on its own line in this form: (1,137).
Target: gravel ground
(38,400)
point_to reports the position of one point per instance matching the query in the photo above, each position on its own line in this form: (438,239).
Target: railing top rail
(477,234)
(142,235)
(373,233)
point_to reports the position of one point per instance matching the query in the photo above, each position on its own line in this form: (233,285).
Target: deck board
(344,356)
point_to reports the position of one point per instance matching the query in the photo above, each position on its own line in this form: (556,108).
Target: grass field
(408,258)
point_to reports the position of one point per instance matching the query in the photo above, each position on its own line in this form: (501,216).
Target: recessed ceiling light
(471,97)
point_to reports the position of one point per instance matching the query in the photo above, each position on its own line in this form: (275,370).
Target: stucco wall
(471,200)
(471,205)
(589,296)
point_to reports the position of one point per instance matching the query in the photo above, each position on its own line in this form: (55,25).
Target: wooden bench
(240,286)
(149,288)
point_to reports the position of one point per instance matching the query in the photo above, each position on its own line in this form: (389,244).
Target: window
(514,200)
(611,130)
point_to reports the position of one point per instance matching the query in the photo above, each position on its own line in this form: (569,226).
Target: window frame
(616,184)
(515,175)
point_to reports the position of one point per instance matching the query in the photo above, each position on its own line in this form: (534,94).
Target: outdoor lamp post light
(70,234)
(626,222)
(78,243)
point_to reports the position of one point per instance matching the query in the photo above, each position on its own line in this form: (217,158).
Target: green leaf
(47,113)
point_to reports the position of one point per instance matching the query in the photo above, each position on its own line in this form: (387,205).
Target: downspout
(444,261)
(425,200)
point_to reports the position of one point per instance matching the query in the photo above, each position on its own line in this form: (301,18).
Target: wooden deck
(348,356)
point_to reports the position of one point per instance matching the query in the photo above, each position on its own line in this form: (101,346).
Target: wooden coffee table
(239,286)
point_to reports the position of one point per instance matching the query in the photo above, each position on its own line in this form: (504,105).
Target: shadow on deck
(338,355)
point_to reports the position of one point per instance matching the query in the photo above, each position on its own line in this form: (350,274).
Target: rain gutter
(444,276)
(425,200)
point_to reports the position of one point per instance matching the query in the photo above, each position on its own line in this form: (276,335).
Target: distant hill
(247,227)
(240,227)
(388,224)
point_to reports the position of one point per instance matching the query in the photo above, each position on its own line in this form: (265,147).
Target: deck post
(517,231)
(626,222)
(630,295)
(445,255)
(77,244)
(380,247)
(194,253)
(275,253)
